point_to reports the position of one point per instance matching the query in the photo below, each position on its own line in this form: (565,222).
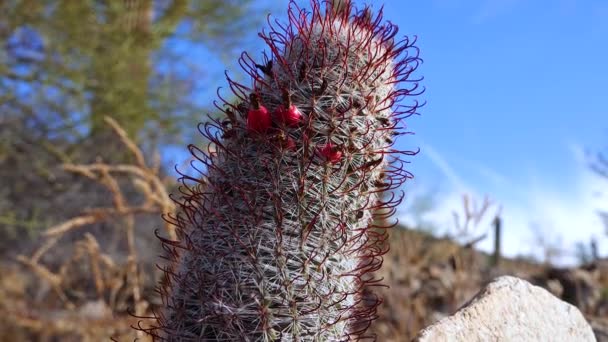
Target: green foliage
(68,63)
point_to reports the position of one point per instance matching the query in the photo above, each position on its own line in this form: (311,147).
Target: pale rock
(511,309)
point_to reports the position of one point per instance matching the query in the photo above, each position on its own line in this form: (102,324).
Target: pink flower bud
(290,116)
(330,153)
(258,118)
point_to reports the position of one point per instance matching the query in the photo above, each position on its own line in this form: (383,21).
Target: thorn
(303,70)
(373,163)
(286,98)
(242,107)
(316,63)
(255,100)
(384,121)
(231,116)
(366,17)
(340,8)
(228,134)
(321,90)
(266,69)
(380,184)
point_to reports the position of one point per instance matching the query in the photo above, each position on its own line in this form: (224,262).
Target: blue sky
(516,92)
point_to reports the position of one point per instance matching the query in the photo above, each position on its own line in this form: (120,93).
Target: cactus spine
(277,236)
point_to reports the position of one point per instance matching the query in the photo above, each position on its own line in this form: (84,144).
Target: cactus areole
(280,234)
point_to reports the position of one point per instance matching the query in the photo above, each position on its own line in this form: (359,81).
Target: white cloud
(566,212)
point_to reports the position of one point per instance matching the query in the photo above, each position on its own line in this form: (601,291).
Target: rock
(580,287)
(511,309)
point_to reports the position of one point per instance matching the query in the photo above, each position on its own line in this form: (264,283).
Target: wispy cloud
(493,176)
(442,164)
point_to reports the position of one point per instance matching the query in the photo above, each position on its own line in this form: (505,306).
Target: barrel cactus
(280,233)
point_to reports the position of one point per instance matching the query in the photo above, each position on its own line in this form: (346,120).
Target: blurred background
(99,98)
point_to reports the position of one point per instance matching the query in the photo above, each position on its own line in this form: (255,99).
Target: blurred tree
(547,247)
(66,64)
(582,253)
(587,252)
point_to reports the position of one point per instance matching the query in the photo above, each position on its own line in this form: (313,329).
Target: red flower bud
(288,113)
(330,153)
(258,119)
(290,116)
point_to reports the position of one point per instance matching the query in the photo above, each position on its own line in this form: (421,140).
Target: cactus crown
(281,233)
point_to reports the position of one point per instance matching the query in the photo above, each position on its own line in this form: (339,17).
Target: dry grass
(87,295)
(72,287)
(430,278)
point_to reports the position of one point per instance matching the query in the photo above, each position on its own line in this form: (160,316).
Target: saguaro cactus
(279,235)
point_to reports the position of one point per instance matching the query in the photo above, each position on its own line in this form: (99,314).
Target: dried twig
(106,274)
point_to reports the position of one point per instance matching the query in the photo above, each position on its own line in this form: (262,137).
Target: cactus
(279,234)
(496,256)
